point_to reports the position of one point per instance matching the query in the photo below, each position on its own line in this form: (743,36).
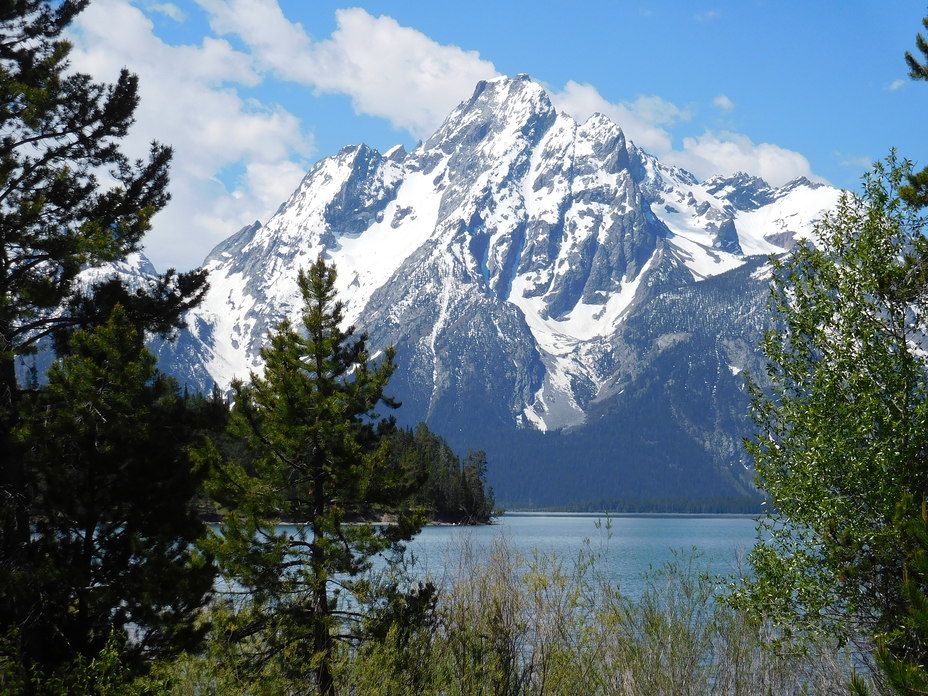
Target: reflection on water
(626,546)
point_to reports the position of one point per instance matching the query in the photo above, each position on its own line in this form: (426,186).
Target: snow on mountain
(717,223)
(517,259)
(557,218)
(134,269)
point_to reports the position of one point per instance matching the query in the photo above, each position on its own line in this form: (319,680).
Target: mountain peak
(549,271)
(509,96)
(800,182)
(600,120)
(500,100)
(504,116)
(741,190)
(397,153)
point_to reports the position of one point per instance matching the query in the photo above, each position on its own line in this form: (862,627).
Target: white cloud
(658,111)
(272,182)
(388,70)
(853,161)
(723,103)
(396,72)
(646,122)
(582,101)
(895,84)
(708,16)
(168,9)
(189,100)
(276,43)
(729,153)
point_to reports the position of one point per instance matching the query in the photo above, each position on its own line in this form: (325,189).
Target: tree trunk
(17,602)
(322,641)
(14,503)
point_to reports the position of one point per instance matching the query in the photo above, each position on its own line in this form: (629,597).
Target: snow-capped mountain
(557,296)
(135,270)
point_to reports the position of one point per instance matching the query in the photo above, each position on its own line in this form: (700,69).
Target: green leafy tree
(317,459)
(109,453)
(902,652)
(842,437)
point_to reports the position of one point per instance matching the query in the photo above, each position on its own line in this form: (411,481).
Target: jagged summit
(557,220)
(743,191)
(535,274)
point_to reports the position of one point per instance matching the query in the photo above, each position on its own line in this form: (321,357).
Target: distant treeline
(735,505)
(449,488)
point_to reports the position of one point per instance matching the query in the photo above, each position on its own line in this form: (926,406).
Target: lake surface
(626,545)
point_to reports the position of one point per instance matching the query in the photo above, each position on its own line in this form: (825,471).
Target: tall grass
(510,625)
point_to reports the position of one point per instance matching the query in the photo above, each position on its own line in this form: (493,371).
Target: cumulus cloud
(729,153)
(723,103)
(388,70)
(276,43)
(168,9)
(648,122)
(396,72)
(640,120)
(189,100)
(659,111)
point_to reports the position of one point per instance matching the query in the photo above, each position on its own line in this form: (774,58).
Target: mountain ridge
(526,267)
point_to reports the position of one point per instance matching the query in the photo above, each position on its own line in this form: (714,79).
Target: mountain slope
(557,296)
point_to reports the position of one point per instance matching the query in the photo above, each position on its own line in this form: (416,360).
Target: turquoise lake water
(626,546)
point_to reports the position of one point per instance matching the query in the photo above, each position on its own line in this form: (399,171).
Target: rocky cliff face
(557,296)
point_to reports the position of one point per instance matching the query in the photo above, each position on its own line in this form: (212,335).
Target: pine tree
(317,459)
(449,490)
(59,142)
(919,70)
(59,131)
(916,192)
(110,465)
(478,501)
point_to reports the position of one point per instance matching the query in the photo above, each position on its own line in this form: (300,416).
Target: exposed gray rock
(556,295)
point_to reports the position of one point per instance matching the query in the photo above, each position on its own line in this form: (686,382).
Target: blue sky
(252,92)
